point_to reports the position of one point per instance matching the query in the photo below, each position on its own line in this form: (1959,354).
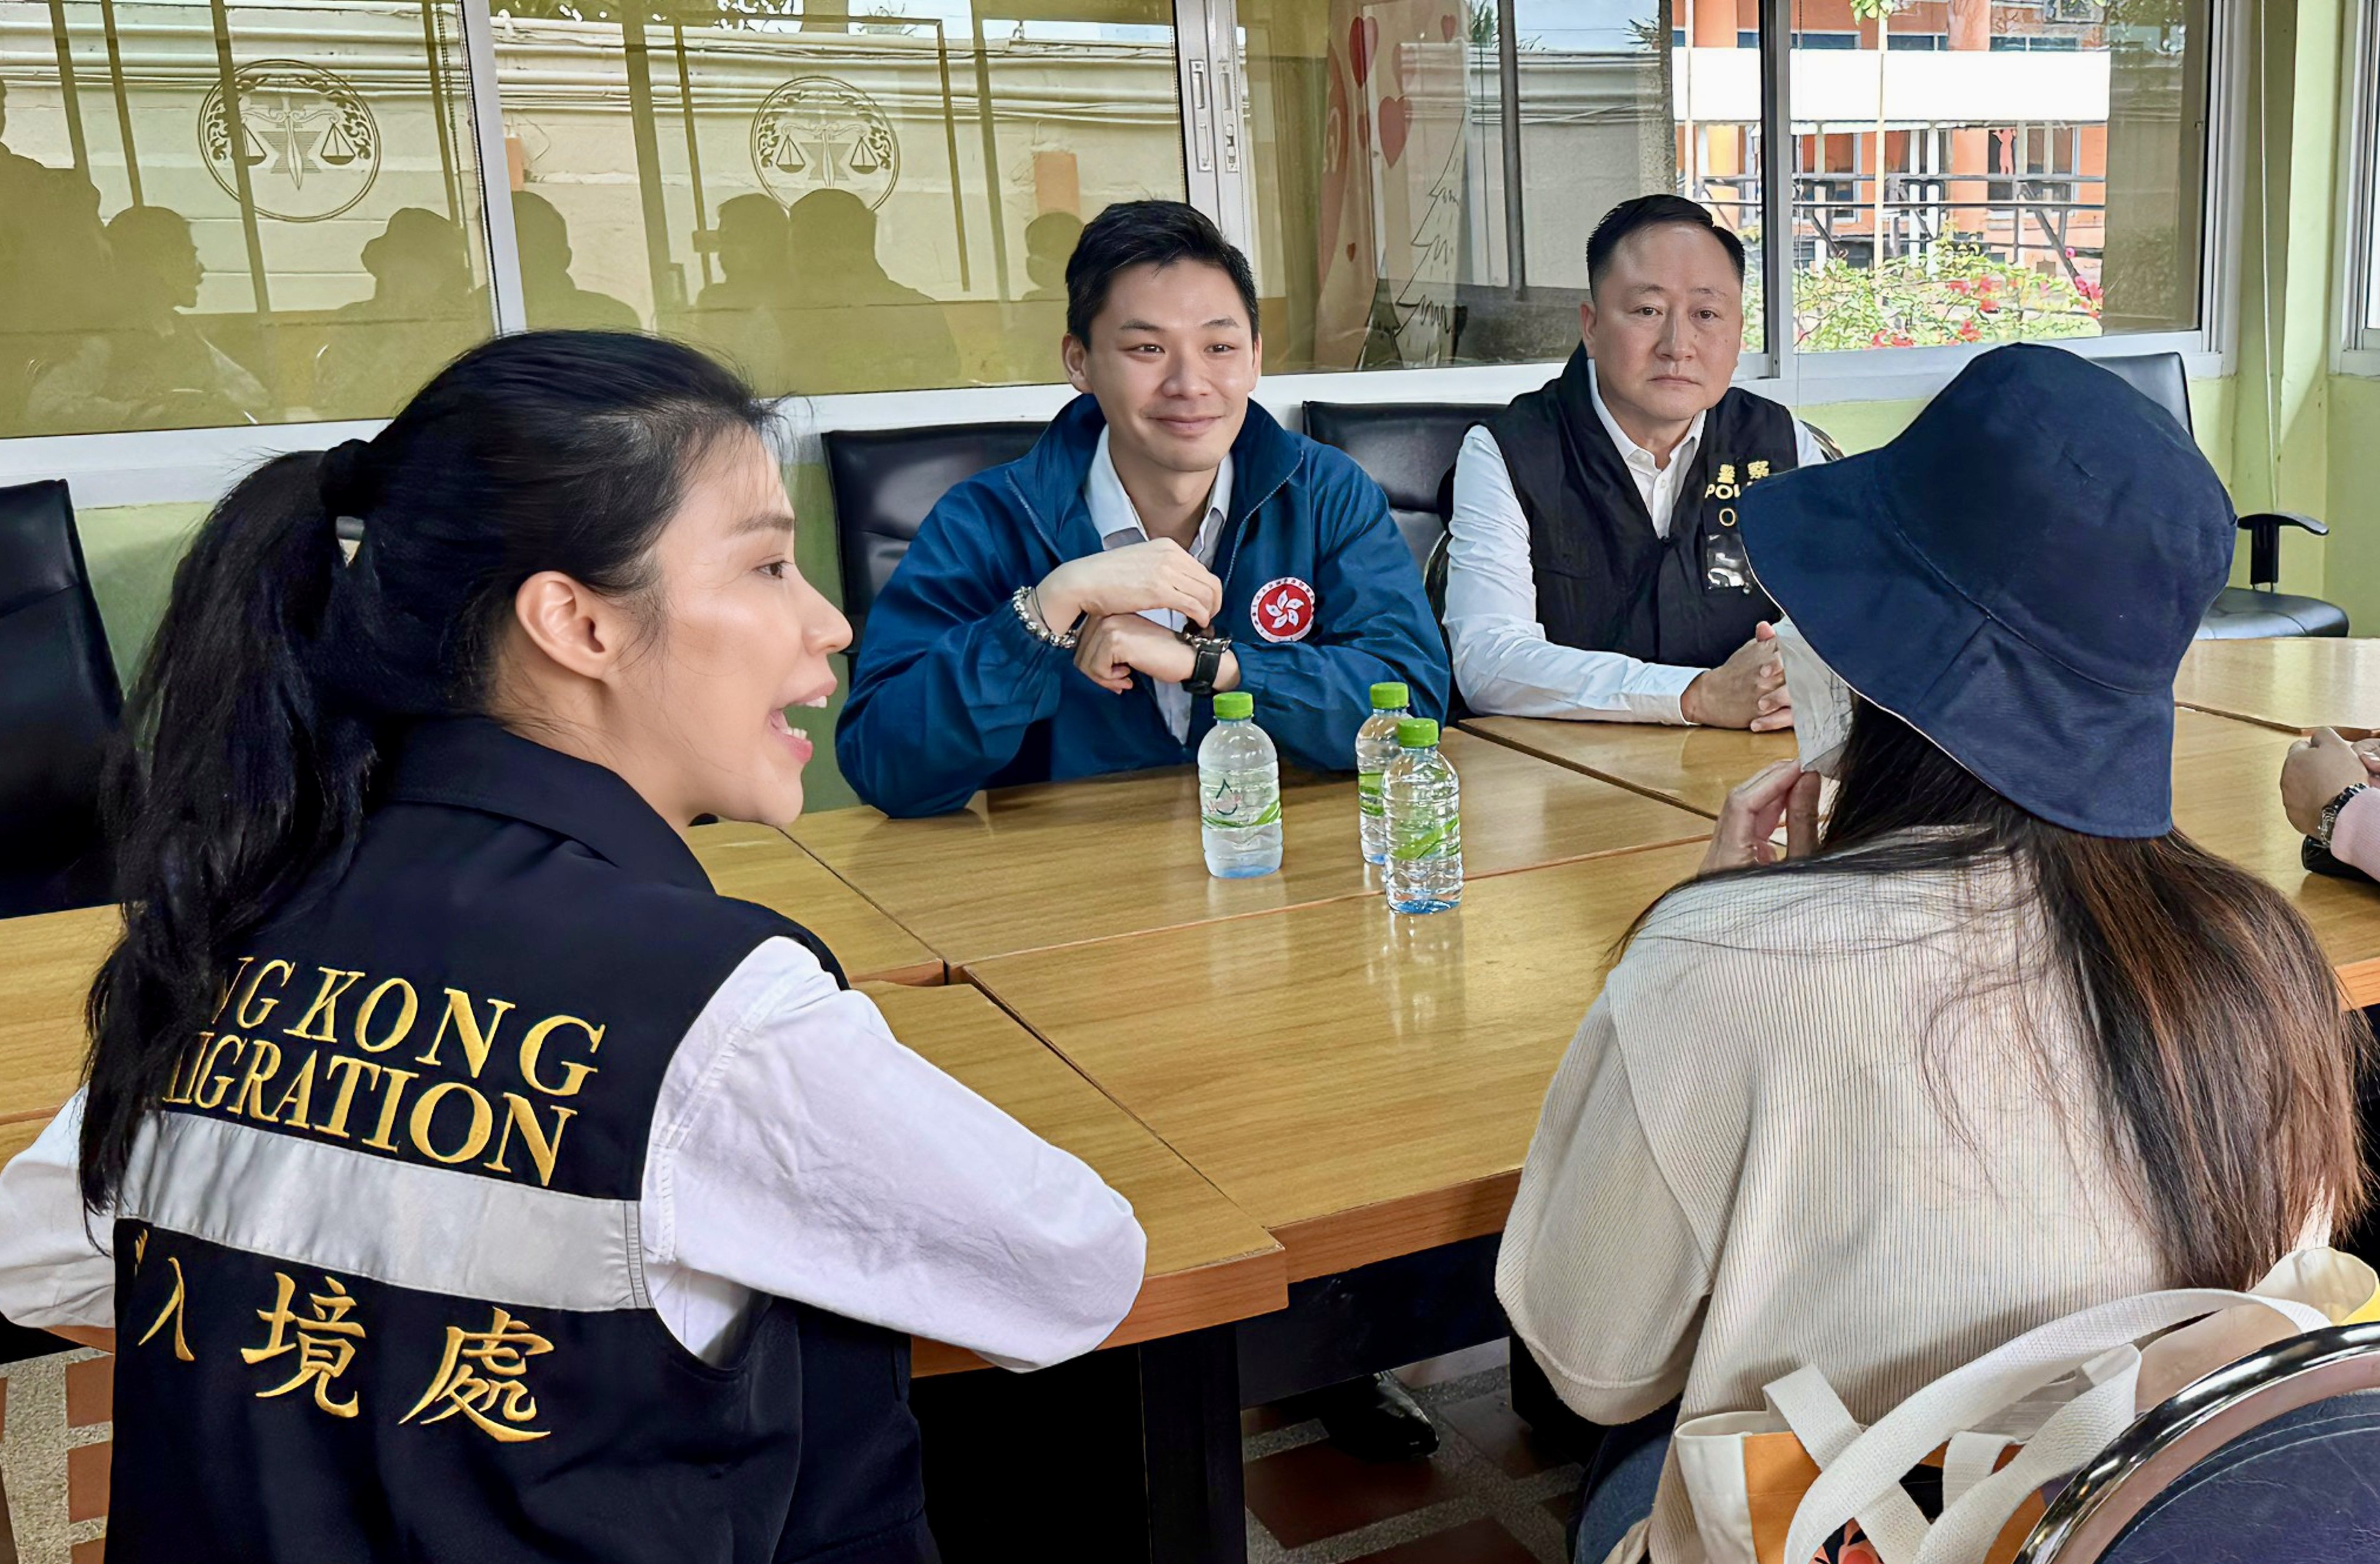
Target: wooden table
(1060,863)
(1208,1262)
(755,864)
(2227,798)
(1693,767)
(2298,683)
(49,962)
(1362,1085)
(15,1137)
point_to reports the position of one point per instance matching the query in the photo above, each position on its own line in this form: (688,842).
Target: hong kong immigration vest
(380,1283)
(1606,580)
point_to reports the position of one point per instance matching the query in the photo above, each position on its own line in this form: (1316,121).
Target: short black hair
(1150,233)
(1652,212)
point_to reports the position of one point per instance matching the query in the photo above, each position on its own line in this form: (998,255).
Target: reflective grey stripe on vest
(432,1228)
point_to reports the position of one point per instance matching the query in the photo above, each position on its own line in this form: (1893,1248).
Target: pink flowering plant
(1960,294)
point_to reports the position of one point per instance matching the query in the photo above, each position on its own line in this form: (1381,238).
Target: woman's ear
(576,628)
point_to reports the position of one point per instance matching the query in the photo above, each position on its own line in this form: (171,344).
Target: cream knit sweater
(1745,1164)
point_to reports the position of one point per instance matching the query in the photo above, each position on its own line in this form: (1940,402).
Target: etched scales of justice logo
(817,133)
(309,141)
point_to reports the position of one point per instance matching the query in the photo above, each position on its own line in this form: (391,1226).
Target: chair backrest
(2252,1461)
(59,705)
(886,481)
(2160,377)
(1406,447)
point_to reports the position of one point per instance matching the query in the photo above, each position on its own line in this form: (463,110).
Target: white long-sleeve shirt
(1503,663)
(797,1149)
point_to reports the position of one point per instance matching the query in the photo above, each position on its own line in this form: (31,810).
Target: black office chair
(885,481)
(2267,1459)
(2259,609)
(59,707)
(1407,448)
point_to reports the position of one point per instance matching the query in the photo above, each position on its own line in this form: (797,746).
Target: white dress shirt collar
(1118,520)
(1656,484)
(1635,455)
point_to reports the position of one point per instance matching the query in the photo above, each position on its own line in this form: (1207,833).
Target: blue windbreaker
(953,693)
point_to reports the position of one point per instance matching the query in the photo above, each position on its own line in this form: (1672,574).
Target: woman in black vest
(483,1185)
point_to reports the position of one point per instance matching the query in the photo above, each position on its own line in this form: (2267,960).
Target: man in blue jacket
(1164,541)
(1062,615)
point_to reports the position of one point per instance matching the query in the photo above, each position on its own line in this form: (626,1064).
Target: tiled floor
(1491,1494)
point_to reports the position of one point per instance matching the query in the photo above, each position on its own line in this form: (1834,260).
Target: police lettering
(348,1063)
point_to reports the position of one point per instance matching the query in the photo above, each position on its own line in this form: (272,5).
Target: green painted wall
(2352,506)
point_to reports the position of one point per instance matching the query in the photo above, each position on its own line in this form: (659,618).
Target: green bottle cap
(1414,732)
(1388,698)
(1233,704)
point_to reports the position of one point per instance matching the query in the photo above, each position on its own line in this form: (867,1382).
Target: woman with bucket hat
(1992,1044)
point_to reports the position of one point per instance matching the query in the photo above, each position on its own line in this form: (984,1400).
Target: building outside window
(2057,183)
(860,196)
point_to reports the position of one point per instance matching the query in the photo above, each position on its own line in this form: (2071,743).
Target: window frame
(2356,345)
(165,466)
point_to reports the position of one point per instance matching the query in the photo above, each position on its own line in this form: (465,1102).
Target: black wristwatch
(1210,663)
(2330,813)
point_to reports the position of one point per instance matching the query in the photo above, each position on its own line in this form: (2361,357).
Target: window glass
(2372,213)
(836,198)
(1391,230)
(307,245)
(1996,173)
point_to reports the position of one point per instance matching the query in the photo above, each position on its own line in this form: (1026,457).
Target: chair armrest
(2264,529)
(2283,518)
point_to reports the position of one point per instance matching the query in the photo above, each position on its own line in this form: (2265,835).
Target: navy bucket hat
(2017,577)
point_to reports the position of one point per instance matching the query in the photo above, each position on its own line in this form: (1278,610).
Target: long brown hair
(2226,1059)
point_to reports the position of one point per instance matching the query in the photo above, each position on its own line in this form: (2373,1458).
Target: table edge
(1219,1292)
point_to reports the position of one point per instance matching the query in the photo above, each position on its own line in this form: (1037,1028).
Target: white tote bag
(1773,1486)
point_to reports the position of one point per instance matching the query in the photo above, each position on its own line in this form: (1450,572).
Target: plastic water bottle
(1375,746)
(1239,793)
(1423,802)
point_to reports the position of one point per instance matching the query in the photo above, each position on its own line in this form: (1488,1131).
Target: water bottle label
(1234,820)
(1421,841)
(1367,794)
(1230,808)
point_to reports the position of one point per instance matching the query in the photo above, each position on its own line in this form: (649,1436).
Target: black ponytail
(282,669)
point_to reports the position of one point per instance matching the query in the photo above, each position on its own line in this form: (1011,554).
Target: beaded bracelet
(1027,604)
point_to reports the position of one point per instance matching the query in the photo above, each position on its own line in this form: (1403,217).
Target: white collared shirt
(1120,526)
(797,1148)
(1503,663)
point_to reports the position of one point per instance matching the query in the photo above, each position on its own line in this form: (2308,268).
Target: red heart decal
(1396,120)
(1446,28)
(1363,37)
(1350,251)
(1364,131)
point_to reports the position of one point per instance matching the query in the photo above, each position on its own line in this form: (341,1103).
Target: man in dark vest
(1594,569)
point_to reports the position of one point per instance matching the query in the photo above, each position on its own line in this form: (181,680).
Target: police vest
(1606,580)
(379,1281)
